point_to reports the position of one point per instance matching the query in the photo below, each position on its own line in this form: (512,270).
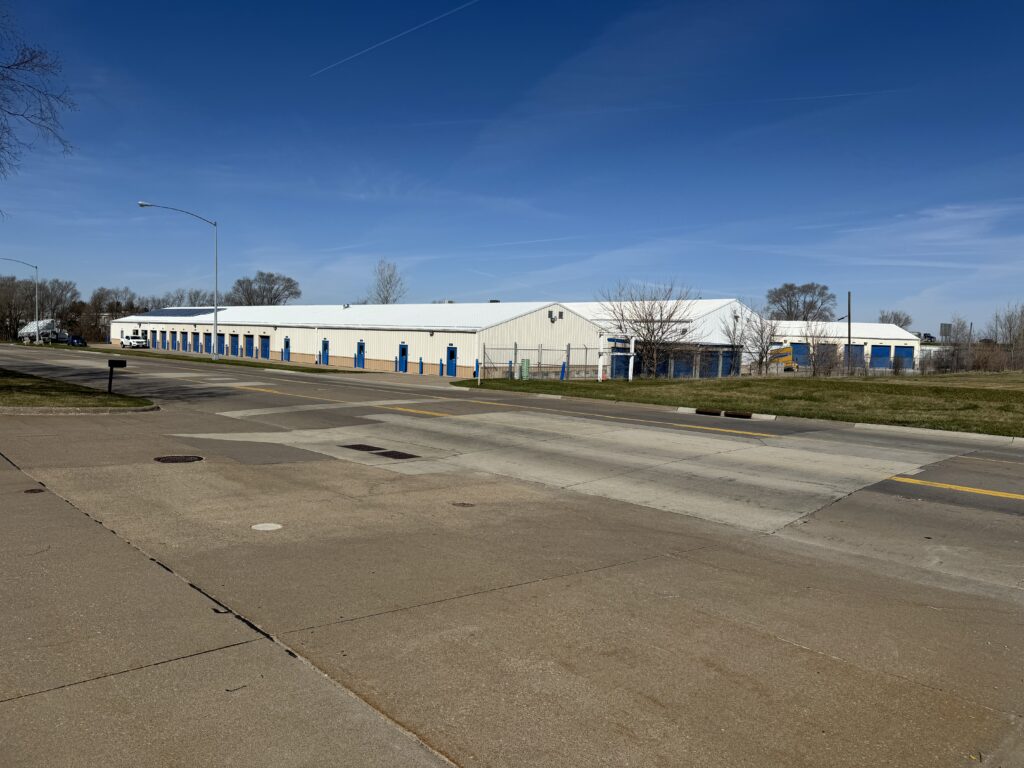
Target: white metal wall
(537,328)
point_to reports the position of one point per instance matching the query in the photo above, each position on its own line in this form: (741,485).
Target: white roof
(597,311)
(44,325)
(837,329)
(453,317)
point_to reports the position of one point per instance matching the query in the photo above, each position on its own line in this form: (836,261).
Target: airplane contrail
(394,37)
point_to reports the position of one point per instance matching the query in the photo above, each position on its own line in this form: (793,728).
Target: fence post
(568,359)
(600,358)
(479,368)
(540,361)
(511,375)
(632,351)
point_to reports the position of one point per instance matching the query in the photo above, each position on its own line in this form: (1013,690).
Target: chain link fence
(539,362)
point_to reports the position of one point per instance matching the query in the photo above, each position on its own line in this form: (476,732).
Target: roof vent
(345,306)
(495,301)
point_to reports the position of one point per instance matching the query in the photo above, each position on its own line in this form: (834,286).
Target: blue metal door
(403,358)
(880,355)
(208,342)
(249,341)
(286,350)
(682,366)
(453,361)
(220,343)
(233,341)
(163,339)
(855,355)
(360,356)
(730,362)
(906,357)
(195,342)
(325,352)
(802,355)
(174,340)
(265,347)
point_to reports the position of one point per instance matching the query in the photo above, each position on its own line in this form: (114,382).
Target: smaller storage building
(875,346)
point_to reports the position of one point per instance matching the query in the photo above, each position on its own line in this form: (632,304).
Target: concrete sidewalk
(111,660)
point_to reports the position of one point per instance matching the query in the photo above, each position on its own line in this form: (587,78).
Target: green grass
(21,389)
(195,359)
(991,403)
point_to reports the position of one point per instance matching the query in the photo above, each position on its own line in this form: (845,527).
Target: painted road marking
(961,488)
(412,410)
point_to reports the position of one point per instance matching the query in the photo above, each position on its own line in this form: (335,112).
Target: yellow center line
(411,410)
(961,488)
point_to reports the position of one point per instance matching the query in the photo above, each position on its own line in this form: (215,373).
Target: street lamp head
(144,204)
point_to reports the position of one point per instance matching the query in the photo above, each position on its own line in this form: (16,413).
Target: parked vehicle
(76,341)
(134,342)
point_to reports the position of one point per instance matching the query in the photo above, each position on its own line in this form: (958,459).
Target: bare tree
(57,299)
(658,316)
(823,349)
(388,284)
(1006,329)
(760,335)
(808,302)
(31,98)
(265,289)
(197,297)
(734,328)
(896,317)
(17,298)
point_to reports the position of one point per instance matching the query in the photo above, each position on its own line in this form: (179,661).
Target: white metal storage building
(872,345)
(449,338)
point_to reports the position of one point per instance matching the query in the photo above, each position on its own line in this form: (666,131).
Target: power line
(394,37)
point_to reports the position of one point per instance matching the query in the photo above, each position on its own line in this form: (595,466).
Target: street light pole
(19,261)
(216,268)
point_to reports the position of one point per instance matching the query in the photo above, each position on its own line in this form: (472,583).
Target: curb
(46,410)
(729,414)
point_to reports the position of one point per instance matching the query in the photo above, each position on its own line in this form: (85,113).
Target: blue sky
(539,149)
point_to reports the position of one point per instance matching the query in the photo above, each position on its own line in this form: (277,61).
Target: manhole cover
(462,504)
(361,447)
(36,490)
(177,459)
(398,455)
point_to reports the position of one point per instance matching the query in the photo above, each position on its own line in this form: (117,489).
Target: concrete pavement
(545,583)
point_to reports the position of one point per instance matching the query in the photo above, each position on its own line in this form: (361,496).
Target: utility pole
(36,268)
(849,330)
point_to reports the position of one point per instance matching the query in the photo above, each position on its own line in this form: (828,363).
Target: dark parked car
(76,341)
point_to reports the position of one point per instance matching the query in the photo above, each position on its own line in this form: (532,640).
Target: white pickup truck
(135,341)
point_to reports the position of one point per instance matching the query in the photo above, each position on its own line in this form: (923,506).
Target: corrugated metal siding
(536,328)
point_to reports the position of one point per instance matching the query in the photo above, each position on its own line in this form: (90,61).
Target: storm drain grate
(398,455)
(36,490)
(361,447)
(177,459)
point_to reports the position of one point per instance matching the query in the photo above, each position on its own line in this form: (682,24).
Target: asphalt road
(524,581)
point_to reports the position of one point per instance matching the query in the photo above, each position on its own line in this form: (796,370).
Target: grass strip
(984,403)
(24,390)
(197,359)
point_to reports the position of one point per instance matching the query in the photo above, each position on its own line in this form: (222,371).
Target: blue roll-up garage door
(802,355)
(856,355)
(682,366)
(906,357)
(880,355)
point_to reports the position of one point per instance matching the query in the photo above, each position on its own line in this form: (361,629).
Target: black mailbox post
(110,379)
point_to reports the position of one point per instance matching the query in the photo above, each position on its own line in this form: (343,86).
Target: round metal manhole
(462,504)
(36,490)
(177,459)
